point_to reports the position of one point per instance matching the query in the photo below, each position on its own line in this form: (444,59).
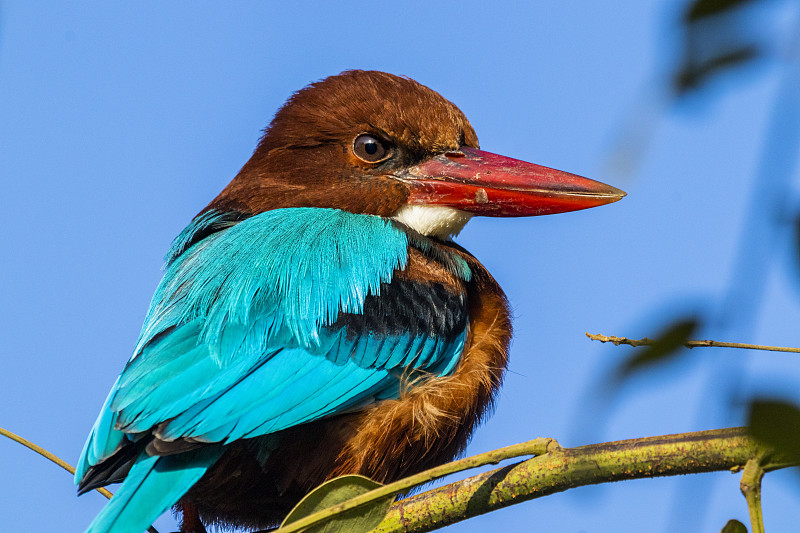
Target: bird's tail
(152,486)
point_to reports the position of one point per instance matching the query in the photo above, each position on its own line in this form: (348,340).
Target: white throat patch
(433,220)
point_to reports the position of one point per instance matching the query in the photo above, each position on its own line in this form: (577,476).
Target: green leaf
(734,526)
(336,491)
(776,424)
(663,349)
(692,75)
(706,8)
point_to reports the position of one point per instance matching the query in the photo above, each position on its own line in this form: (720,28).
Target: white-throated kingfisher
(316,318)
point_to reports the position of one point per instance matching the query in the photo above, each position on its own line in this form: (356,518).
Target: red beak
(493,185)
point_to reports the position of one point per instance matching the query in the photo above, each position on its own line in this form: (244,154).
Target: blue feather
(153,485)
(103,441)
(239,342)
(303,265)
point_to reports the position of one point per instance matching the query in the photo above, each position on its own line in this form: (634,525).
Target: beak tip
(613,194)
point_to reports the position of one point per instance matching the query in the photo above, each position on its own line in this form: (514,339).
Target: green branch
(750,486)
(554,469)
(532,447)
(566,468)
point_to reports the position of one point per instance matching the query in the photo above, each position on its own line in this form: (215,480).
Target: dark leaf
(706,8)
(665,347)
(734,526)
(693,75)
(776,424)
(339,490)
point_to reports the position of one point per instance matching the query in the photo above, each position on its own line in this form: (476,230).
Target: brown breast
(431,423)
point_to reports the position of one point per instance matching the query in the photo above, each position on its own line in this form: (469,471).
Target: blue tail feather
(103,440)
(154,484)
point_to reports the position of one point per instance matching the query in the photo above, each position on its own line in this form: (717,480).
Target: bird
(317,318)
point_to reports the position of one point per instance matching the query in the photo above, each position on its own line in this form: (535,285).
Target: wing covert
(280,319)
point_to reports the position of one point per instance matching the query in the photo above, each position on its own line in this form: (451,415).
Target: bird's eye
(370,149)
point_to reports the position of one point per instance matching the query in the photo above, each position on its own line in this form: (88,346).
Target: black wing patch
(410,308)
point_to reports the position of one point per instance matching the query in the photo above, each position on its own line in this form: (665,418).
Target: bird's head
(374,143)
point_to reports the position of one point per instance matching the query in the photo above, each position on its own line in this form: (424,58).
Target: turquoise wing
(276,320)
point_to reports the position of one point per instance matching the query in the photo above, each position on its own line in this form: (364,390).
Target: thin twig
(532,447)
(692,344)
(44,453)
(57,460)
(750,486)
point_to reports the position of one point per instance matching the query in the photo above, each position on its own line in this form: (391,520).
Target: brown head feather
(305,157)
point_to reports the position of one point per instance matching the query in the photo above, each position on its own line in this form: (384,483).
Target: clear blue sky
(119,122)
